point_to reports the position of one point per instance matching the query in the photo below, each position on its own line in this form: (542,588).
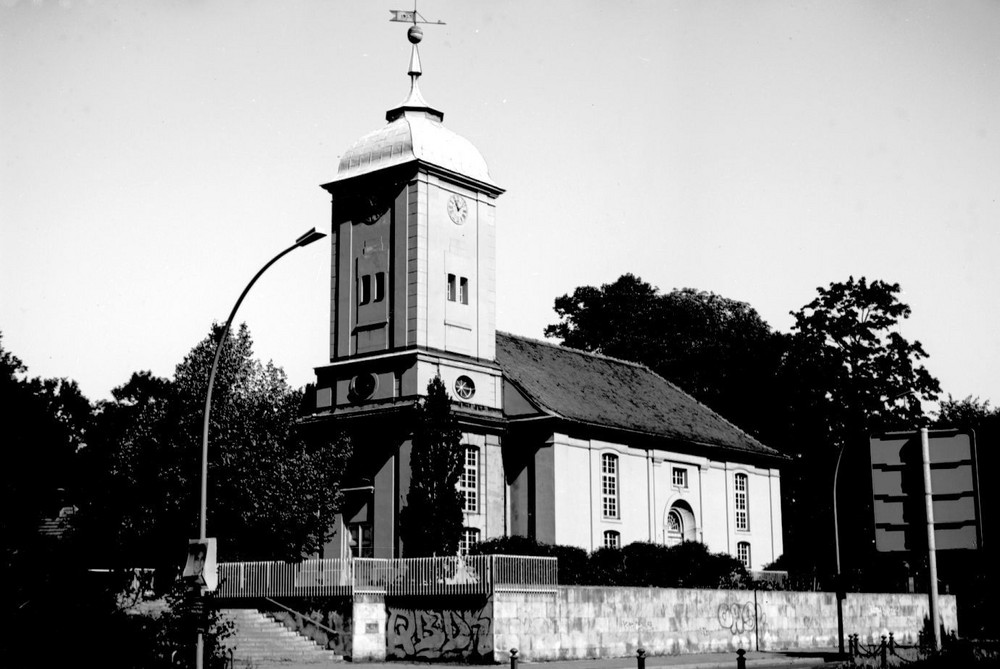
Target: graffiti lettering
(741,618)
(446,634)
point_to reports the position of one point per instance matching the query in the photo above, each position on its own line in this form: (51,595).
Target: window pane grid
(741,503)
(469,481)
(743,553)
(609,486)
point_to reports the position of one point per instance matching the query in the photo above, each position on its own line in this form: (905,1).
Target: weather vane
(411,16)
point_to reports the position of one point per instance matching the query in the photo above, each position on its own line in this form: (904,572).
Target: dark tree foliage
(971,575)
(431,522)
(573,562)
(848,373)
(686,565)
(272,488)
(717,349)
(844,372)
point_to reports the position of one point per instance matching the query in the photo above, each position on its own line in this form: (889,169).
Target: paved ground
(755,660)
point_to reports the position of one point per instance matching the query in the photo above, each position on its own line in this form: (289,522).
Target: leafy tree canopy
(717,349)
(847,353)
(431,522)
(273,486)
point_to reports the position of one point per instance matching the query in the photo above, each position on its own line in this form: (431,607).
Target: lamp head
(309,237)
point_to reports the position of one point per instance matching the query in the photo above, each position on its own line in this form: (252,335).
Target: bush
(687,565)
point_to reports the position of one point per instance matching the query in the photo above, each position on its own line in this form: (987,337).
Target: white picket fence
(458,575)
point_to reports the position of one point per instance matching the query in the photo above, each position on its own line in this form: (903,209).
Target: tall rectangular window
(379,286)
(468,483)
(365,290)
(743,553)
(360,539)
(609,485)
(463,290)
(742,503)
(452,288)
(470,537)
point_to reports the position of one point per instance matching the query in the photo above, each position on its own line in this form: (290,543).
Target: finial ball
(414,34)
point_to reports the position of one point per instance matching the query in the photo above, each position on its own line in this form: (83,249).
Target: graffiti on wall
(440,633)
(741,618)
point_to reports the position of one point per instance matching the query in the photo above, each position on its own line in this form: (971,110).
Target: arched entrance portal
(679,524)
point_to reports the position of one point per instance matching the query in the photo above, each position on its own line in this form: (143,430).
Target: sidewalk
(797,658)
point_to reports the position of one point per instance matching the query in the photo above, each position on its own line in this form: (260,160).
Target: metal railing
(458,575)
(520,573)
(308,578)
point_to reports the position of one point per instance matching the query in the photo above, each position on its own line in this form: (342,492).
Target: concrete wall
(588,622)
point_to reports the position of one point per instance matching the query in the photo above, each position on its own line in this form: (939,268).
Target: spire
(414,102)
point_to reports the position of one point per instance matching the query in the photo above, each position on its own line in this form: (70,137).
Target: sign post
(940,466)
(925,453)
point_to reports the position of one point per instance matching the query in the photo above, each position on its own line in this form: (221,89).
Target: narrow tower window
(463,291)
(379,286)
(366,289)
(452,289)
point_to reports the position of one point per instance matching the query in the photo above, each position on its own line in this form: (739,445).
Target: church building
(560,445)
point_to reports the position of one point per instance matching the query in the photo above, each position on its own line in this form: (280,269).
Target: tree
(847,373)
(431,522)
(971,575)
(717,349)
(273,484)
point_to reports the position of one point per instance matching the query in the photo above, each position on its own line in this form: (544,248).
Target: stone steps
(259,638)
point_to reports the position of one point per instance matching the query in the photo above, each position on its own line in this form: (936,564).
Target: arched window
(743,553)
(468,482)
(612,539)
(609,485)
(470,537)
(742,502)
(675,525)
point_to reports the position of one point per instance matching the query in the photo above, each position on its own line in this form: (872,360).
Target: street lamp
(307,238)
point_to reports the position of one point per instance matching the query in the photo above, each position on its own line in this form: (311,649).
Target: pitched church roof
(602,391)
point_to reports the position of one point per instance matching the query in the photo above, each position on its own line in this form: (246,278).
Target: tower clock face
(458,209)
(370,209)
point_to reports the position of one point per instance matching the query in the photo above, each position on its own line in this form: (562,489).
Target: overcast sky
(154,154)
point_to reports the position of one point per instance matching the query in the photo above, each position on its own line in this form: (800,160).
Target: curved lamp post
(308,238)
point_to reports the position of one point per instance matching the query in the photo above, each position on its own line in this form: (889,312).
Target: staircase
(259,639)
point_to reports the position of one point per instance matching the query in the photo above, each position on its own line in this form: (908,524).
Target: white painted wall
(646,494)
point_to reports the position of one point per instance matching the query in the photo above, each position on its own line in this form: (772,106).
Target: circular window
(364,386)
(464,387)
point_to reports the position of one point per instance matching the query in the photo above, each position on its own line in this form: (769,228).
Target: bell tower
(413,275)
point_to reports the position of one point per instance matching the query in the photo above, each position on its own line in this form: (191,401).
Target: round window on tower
(363,386)
(464,387)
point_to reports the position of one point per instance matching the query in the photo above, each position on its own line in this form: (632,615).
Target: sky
(155,154)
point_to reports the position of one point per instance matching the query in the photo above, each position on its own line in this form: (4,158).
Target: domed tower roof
(415,131)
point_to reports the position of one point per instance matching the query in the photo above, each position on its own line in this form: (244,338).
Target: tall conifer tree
(432,520)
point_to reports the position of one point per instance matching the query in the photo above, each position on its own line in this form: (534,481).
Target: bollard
(513,658)
(640,659)
(883,654)
(741,661)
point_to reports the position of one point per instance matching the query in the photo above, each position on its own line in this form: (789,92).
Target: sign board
(200,566)
(898,487)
